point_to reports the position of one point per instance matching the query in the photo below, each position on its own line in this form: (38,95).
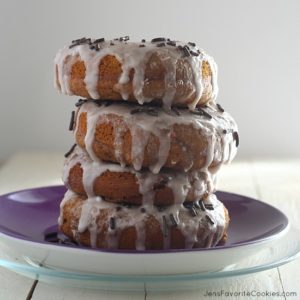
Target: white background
(255,43)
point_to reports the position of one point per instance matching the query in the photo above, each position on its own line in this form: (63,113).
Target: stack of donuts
(149,141)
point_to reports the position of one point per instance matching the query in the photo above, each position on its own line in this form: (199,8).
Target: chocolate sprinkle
(147,110)
(112,223)
(73,45)
(192,211)
(209,206)
(236,138)
(143,209)
(200,112)
(97,102)
(192,44)
(187,205)
(80,42)
(202,206)
(194,53)
(174,220)
(165,226)
(161,45)
(186,51)
(206,114)
(98,41)
(220,108)
(196,204)
(70,151)
(72,121)
(159,39)
(141,46)
(84,40)
(124,38)
(143,41)
(118,208)
(209,220)
(171,43)
(80,102)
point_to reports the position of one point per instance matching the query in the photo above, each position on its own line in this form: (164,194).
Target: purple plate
(32,215)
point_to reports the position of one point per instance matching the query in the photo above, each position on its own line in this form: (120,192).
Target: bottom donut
(96,223)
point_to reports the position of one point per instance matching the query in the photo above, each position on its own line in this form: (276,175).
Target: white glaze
(180,183)
(118,144)
(133,57)
(141,125)
(190,226)
(68,195)
(197,65)
(139,141)
(92,119)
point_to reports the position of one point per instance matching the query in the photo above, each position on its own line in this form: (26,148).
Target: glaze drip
(220,147)
(197,231)
(181,184)
(134,59)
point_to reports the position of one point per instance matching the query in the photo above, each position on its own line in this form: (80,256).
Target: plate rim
(41,270)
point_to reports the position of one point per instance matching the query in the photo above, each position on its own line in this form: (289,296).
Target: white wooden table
(276,182)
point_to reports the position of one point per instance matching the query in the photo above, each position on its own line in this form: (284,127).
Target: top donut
(162,71)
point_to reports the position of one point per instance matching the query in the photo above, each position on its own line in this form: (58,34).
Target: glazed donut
(148,136)
(163,71)
(117,184)
(100,224)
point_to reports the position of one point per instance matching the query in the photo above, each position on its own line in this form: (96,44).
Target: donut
(118,184)
(150,137)
(99,224)
(160,71)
